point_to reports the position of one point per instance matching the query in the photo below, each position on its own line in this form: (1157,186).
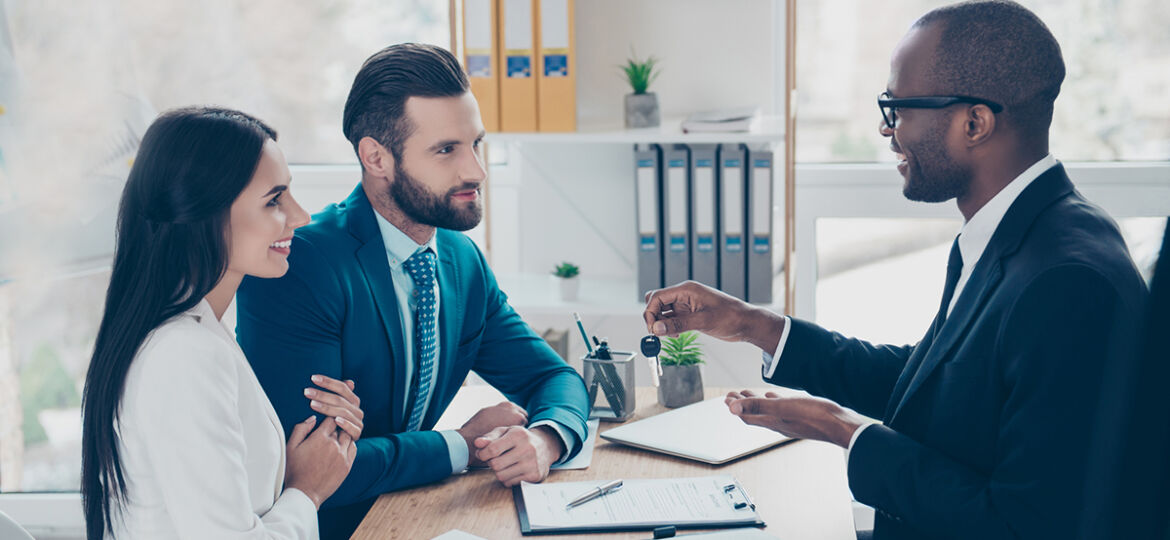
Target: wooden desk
(799,488)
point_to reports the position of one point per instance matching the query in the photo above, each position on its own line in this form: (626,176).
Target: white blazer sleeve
(195,444)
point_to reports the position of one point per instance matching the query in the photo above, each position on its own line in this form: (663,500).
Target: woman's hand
(337,400)
(318,460)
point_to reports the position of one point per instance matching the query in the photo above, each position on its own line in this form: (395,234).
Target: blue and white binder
(760,272)
(647,183)
(732,220)
(704,212)
(676,194)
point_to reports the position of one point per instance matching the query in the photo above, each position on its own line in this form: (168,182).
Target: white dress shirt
(399,248)
(202,449)
(973,239)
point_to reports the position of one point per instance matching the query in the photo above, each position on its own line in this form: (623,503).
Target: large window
(1113,105)
(79,82)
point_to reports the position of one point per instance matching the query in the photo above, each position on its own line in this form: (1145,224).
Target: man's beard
(932,176)
(424,207)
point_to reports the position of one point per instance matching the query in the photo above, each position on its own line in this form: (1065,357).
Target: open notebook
(705,431)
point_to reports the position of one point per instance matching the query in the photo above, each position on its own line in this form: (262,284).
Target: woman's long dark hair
(172,249)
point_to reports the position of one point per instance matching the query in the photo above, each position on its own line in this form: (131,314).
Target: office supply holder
(609,378)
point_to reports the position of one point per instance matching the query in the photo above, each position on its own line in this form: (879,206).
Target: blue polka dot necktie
(421,266)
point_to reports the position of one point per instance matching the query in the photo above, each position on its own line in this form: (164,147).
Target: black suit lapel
(985,277)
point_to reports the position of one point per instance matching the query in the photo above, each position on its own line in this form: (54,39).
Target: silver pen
(594,493)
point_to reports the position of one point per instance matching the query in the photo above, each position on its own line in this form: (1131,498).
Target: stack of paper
(738,119)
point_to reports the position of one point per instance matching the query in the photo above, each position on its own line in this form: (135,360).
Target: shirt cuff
(457,449)
(563,433)
(853,440)
(773,360)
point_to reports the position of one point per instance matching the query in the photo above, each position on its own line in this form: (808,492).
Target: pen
(594,493)
(581,327)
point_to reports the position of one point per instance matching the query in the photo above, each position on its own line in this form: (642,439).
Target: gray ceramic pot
(642,110)
(680,385)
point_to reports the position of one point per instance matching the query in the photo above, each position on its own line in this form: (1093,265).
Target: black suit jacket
(984,431)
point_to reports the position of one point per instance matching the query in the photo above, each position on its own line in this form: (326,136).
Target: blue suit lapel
(450,312)
(1045,190)
(376,268)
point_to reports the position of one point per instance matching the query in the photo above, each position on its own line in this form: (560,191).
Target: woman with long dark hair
(179,438)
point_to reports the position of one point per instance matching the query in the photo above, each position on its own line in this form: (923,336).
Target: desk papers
(641,503)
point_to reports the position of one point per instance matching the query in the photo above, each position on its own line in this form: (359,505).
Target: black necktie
(954,268)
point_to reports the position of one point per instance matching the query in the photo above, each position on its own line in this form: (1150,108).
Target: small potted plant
(681,382)
(641,106)
(568,280)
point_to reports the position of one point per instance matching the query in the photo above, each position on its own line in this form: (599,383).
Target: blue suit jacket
(335,313)
(987,419)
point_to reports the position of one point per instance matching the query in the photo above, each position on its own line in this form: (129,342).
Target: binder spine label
(761,244)
(678,243)
(519,65)
(734,243)
(649,242)
(556,65)
(706,243)
(479,65)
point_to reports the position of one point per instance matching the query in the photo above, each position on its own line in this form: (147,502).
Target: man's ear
(377,160)
(979,125)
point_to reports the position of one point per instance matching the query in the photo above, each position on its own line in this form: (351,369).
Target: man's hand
(502,414)
(694,306)
(799,417)
(517,454)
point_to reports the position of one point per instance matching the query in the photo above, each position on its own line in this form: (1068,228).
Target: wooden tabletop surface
(799,488)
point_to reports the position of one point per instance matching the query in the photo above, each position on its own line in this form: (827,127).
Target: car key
(650,349)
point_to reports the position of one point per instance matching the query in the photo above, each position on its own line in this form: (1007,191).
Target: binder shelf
(771,130)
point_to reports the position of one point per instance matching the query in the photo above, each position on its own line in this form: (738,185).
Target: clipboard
(708,502)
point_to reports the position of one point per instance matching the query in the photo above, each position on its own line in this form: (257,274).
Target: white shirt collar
(976,233)
(399,246)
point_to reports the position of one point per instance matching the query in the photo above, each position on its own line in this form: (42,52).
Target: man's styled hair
(376,106)
(1001,51)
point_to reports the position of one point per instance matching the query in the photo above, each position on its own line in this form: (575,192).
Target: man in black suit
(984,419)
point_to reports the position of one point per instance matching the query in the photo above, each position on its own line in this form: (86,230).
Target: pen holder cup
(610,383)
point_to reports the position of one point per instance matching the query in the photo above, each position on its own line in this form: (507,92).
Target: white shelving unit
(771,130)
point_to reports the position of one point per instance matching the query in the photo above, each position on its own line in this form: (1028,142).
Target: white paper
(554,24)
(647,200)
(704,194)
(639,502)
(677,176)
(585,456)
(761,200)
(518,25)
(456,534)
(732,201)
(478,25)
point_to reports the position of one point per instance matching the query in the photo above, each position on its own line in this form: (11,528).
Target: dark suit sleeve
(520,364)
(1051,349)
(290,329)
(852,372)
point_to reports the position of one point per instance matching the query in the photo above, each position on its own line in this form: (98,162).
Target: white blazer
(201,448)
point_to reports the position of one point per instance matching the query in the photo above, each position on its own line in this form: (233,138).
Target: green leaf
(566,270)
(681,351)
(640,73)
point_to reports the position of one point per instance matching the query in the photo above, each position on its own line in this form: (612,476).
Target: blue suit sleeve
(291,330)
(520,364)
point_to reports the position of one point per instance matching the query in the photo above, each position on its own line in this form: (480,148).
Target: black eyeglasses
(890,105)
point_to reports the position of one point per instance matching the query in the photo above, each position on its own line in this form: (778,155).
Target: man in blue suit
(987,418)
(381,289)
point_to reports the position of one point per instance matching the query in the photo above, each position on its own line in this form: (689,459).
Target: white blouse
(201,447)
